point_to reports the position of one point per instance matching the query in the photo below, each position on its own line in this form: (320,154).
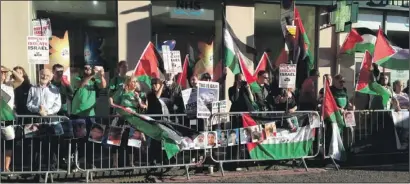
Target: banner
(287,76)
(93,50)
(41,27)
(208,92)
(60,53)
(38,49)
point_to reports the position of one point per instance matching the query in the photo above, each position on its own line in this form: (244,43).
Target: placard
(38,49)
(220,107)
(208,92)
(41,27)
(176,63)
(287,76)
(349,118)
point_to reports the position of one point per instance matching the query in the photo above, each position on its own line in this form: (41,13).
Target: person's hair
(262,72)
(97,127)
(326,76)
(55,66)
(119,64)
(313,72)
(206,76)
(232,132)
(25,76)
(237,78)
(213,133)
(155,81)
(382,75)
(396,82)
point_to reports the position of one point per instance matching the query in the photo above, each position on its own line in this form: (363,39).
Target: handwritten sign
(38,49)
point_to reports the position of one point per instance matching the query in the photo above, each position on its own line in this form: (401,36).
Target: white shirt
(10,91)
(48,96)
(402,98)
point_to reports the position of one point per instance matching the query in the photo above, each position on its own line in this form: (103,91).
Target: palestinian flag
(252,78)
(359,40)
(298,143)
(183,77)
(302,55)
(6,111)
(233,48)
(367,83)
(171,134)
(282,58)
(333,117)
(388,56)
(149,66)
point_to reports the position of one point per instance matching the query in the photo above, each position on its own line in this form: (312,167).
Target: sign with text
(41,27)
(38,49)
(287,76)
(220,107)
(208,92)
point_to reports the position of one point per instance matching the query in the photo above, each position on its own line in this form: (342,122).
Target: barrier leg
(46,177)
(87,176)
(222,168)
(187,172)
(69,158)
(304,164)
(334,163)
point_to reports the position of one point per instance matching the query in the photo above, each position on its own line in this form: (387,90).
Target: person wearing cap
(339,92)
(308,97)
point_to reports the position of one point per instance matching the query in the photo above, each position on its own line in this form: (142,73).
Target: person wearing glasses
(261,97)
(86,89)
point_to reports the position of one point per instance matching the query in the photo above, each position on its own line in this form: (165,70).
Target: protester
(7,119)
(307,96)
(322,90)
(339,92)
(193,81)
(117,83)
(155,104)
(206,77)
(66,91)
(21,92)
(401,100)
(376,101)
(261,96)
(86,89)
(233,91)
(44,99)
(286,101)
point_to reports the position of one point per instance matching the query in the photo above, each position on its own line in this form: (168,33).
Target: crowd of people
(53,93)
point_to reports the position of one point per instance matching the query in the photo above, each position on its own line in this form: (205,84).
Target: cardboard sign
(38,49)
(287,76)
(41,27)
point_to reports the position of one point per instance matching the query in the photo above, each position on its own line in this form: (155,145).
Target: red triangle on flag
(263,63)
(382,47)
(183,77)
(364,74)
(350,41)
(282,58)
(148,63)
(329,105)
(247,74)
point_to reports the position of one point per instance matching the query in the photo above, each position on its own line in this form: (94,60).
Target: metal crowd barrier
(106,157)
(375,133)
(239,152)
(35,152)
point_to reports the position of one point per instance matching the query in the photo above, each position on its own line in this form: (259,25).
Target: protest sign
(172,60)
(189,96)
(287,76)
(220,107)
(41,27)
(349,118)
(38,49)
(208,92)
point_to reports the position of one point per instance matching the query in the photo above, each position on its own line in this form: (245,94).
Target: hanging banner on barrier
(401,124)
(220,107)
(38,50)
(208,92)
(287,76)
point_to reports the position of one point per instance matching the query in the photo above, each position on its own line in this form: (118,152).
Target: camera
(244,83)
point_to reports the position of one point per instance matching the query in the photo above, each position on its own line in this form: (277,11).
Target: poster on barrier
(135,138)
(200,142)
(349,118)
(114,135)
(245,135)
(256,133)
(32,130)
(96,133)
(190,143)
(314,120)
(233,137)
(222,138)
(208,92)
(79,129)
(212,139)
(270,130)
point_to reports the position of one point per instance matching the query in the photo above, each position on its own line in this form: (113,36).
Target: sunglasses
(87,68)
